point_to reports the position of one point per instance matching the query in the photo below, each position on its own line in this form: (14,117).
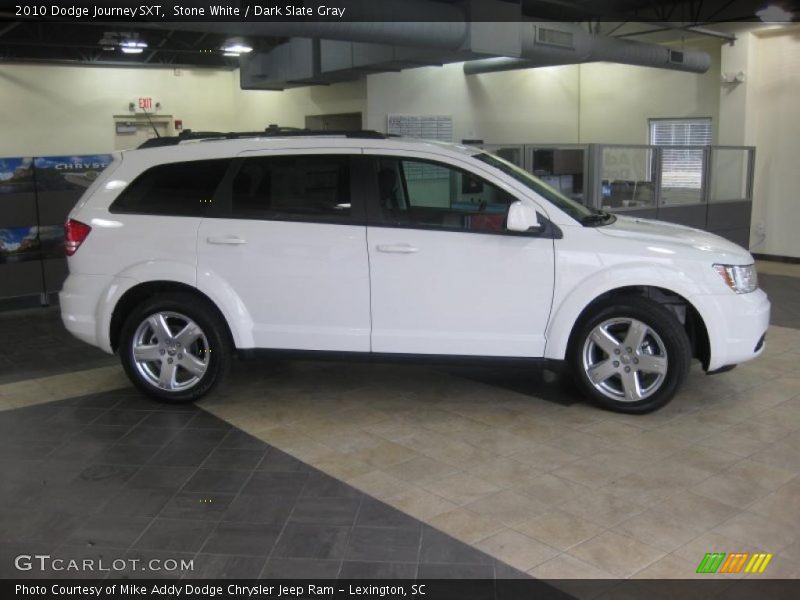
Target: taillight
(74,234)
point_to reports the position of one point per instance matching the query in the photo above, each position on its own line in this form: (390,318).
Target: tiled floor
(516,465)
(116,476)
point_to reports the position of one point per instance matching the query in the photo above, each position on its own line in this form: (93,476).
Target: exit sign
(145,103)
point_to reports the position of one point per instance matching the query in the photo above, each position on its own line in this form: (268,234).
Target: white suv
(366,247)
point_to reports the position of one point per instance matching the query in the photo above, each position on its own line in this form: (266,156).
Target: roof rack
(271,131)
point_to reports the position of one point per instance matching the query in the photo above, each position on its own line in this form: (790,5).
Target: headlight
(742,279)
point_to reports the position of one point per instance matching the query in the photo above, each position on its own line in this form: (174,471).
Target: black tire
(214,348)
(666,347)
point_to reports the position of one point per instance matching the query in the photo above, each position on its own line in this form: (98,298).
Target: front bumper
(736,325)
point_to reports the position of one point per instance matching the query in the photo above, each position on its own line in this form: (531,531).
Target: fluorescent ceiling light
(236,54)
(774,14)
(237,46)
(131,50)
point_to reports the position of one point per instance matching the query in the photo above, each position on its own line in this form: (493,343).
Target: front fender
(589,287)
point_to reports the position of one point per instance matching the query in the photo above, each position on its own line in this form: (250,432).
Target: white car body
(363,288)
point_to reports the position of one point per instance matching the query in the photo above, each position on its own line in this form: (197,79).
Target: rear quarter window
(177,189)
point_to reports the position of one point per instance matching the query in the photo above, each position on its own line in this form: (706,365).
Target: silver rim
(170,351)
(625,360)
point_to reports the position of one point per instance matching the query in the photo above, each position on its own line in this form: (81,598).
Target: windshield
(574,209)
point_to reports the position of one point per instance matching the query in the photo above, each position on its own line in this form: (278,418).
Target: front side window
(303,187)
(179,189)
(417,193)
(575,209)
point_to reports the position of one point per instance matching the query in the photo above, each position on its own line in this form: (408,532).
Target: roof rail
(271,131)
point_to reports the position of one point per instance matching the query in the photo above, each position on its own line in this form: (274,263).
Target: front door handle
(230,240)
(397,248)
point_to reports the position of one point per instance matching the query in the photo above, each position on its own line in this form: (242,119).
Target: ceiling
(79,42)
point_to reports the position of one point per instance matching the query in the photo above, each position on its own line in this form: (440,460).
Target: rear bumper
(736,325)
(84,312)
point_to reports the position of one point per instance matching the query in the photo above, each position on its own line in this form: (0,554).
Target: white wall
(58,109)
(515,106)
(64,110)
(257,109)
(776,107)
(616,101)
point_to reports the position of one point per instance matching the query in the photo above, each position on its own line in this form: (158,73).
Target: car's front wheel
(174,347)
(630,355)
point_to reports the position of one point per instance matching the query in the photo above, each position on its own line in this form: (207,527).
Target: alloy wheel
(625,359)
(170,351)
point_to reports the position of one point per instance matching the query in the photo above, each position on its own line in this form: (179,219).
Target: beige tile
(696,549)
(749,527)
(742,484)
(581,443)
(669,567)
(782,505)
(419,503)
(516,549)
(601,508)
(507,507)
(378,484)
(762,432)
(342,466)
(384,454)
(504,472)
(461,488)
(559,529)
(592,472)
(760,474)
(698,512)
(733,443)
(496,441)
(419,470)
(617,554)
(565,566)
(544,457)
(466,525)
(705,459)
(613,432)
(552,490)
(659,529)
(537,431)
(656,483)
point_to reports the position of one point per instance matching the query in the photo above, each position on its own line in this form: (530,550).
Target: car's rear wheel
(630,355)
(174,347)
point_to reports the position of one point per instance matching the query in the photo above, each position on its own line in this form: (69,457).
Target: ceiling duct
(547,44)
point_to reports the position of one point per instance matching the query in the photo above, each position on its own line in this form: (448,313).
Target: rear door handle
(397,248)
(230,240)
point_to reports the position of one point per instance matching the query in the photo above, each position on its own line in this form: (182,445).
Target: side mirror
(521,217)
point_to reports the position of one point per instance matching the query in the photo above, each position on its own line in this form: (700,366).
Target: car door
(446,276)
(288,240)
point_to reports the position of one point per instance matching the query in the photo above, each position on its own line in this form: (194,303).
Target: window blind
(681,168)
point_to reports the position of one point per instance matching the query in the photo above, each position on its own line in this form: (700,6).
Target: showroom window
(310,187)
(425,194)
(180,189)
(681,167)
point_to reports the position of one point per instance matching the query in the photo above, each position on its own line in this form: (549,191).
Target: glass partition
(627,177)
(682,176)
(562,167)
(730,174)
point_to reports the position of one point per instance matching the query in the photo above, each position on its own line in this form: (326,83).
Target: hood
(677,238)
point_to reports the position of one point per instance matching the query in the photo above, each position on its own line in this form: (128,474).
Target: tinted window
(426,194)
(182,188)
(293,187)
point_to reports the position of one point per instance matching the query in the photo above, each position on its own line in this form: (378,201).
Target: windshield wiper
(600,217)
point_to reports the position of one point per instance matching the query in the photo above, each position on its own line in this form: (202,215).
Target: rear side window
(301,188)
(181,189)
